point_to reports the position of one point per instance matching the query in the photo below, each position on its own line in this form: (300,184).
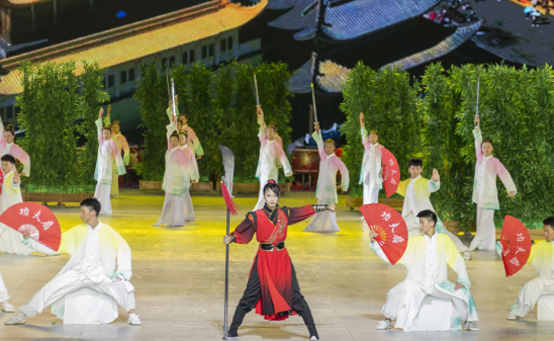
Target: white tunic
(86,282)
(10,240)
(427,260)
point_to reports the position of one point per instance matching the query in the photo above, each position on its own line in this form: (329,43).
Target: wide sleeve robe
(326,190)
(273,267)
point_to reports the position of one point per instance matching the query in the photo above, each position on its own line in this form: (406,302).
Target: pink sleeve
(345,183)
(191,136)
(280,154)
(20,154)
(505,177)
(114,149)
(184,160)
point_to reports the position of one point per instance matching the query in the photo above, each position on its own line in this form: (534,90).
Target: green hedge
(51,105)
(389,105)
(434,120)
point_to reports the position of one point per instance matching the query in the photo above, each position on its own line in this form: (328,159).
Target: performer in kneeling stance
(426,258)
(272,286)
(100,260)
(542,254)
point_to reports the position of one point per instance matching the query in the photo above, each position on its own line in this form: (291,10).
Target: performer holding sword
(272,155)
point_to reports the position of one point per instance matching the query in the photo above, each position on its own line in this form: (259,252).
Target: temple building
(207,32)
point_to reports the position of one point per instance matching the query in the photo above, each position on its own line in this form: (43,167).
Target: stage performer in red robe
(272,286)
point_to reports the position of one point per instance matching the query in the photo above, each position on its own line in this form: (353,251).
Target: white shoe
(511,316)
(134,320)
(471,326)
(314,338)
(382,325)
(8,308)
(19,319)
(467,256)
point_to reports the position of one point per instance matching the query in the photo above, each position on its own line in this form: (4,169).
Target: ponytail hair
(9,128)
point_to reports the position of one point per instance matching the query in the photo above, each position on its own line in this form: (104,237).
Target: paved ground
(178,275)
(519,42)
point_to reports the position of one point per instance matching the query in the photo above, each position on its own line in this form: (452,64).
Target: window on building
(212,49)
(123,77)
(111,81)
(164,62)
(185,57)
(204,52)
(223,46)
(230,43)
(192,57)
(9,112)
(172,61)
(131,75)
(3,113)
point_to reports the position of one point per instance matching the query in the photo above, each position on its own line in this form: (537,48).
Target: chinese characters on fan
(45,225)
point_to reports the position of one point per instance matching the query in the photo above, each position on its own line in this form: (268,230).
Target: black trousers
(252,295)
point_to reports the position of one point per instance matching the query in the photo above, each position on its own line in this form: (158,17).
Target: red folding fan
(390,227)
(516,245)
(391,172)
(35,219)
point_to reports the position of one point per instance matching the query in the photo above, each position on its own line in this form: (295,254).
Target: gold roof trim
(137,40)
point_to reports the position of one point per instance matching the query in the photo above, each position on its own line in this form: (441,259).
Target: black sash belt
(271,247)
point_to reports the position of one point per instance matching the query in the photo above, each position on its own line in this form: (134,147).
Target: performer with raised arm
(272,286)
(370,175)
(182,125)
(326,192)
(100,260)
(188,209)
(427,258)
(542,257)
(485,193)
(416,192)
(272,156)
(8,146)
(108,155)
(122,146)
(179,171)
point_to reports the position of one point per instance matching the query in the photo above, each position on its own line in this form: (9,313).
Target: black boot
(240,313)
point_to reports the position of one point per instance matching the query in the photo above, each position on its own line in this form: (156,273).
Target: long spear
(228,159)
(173,96)
(315,107)
(257,96)
(167,80)
(477,106)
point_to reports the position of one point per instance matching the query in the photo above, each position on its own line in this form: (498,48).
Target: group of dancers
(97,276)
(273,288)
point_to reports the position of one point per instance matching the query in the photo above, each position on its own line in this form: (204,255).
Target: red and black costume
(272,286)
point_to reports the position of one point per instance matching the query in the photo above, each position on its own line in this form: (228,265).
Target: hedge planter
(58,198)
(355,203)
(144,185)
(202,186)
(243,187)
(157,185)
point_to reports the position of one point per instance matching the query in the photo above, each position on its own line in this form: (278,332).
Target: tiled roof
(25,2)
(121,46)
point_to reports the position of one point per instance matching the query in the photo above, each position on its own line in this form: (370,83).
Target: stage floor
(179,276)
